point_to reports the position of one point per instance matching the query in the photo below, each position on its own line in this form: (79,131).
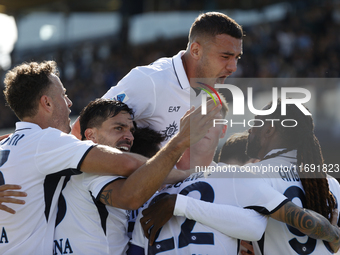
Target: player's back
(183,236)
(86,225)
(279,238)
(36,159)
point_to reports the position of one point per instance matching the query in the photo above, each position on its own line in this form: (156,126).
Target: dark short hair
(235,148)
(214,23)
(147,141)
(25,84)
(98,111)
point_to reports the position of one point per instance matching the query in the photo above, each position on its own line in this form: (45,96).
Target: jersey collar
(26,125)
(291,153)
(179,70)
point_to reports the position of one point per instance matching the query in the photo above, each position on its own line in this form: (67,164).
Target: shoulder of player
(158,67)
(332,182)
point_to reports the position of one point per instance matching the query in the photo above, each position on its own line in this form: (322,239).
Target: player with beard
(92,215)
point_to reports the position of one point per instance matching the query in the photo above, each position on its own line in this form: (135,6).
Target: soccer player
(160,93)
(233,152)
(249,224)
(40,151)
(94,209)
(297,151)
(284,150)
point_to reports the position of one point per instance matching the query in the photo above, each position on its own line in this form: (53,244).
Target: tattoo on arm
(105,197)
(307,221)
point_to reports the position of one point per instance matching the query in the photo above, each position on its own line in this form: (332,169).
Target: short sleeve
(137,90)
(255,193)
(96,183)
(57,151)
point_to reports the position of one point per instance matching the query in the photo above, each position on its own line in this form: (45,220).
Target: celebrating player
(160,93)
(202,154)
(39,152)
(262,195)
(87,225)
(297,149)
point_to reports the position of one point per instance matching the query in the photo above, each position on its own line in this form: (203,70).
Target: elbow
(257,230)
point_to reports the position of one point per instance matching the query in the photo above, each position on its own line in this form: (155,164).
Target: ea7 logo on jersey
(173,108)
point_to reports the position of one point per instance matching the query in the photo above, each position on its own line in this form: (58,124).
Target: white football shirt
(87,226)
(283,176)
(184,236)
(36,159)
(158,93)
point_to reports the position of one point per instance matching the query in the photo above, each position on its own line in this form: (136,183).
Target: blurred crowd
(306,43)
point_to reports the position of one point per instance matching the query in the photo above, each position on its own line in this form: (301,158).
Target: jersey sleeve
(96,183)
(257,194)
(58,152)
(137,90)
(241,223)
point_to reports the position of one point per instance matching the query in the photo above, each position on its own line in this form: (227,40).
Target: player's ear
(91,134)
(269,130)
(46,103)
(195,50)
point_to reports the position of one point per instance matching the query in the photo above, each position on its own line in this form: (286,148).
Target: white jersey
(181,235)
(279,238)
(158,93)
(36,159)
(87,226)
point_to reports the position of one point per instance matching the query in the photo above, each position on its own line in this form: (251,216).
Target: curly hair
(25,84)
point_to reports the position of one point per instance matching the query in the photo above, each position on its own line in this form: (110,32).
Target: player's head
(35,88)
(109,123)
(234,150)
(147,141)
(299,136)
(215,44)
(208,25)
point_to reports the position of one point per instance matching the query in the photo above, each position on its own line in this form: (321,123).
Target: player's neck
(187,64)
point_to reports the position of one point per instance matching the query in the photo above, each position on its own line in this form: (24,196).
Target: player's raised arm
(144,182)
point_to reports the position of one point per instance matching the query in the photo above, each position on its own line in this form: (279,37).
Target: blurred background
(97,42)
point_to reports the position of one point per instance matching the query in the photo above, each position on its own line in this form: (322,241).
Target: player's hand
(156,215)
(194,125)
(247,248)
(336,244)
(6,196)
(4,136)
